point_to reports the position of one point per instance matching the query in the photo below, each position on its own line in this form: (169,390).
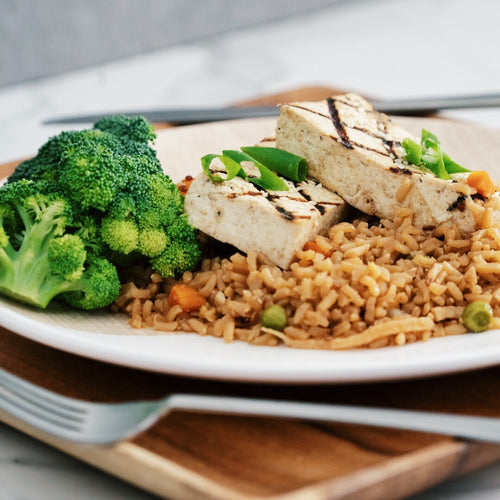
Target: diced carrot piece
(187,297)
(482,183)
(312,245)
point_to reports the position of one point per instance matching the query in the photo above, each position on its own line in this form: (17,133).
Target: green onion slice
(451,166)
(269,161)
(429,156)
(286,164)
(205,165)
(428,139)
(232,168)
(267,180)
(413,151)
(433,160)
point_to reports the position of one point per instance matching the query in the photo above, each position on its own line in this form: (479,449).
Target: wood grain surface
(204,456)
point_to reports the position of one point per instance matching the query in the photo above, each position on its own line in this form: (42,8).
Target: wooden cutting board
(193,456)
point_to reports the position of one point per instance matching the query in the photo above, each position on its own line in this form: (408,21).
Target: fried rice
(368,284)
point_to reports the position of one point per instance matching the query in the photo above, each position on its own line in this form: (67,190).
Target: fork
(107,423)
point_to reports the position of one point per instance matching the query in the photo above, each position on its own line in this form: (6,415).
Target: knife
(185,116)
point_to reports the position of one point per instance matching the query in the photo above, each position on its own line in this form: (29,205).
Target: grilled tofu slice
(274,223)
(356,152)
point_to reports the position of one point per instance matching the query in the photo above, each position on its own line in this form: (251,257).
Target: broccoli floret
(124,136)
(42,259)
(177,258)
(152,242)
(128,128)
(182,252)
(66,256)
(46,164)
(116,207)
(98,286)
(88,228)
(121,235)
(134,132)
(138,166)
(91,176)
(149,220)
(29,169)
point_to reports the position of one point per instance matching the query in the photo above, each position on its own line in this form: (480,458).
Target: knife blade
(186,116)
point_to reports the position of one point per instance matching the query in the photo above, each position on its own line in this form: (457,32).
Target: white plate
(107,337)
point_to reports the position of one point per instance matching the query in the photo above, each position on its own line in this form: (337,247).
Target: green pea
(274,317)
(477,316)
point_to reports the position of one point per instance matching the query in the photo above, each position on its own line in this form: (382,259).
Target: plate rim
(86,344)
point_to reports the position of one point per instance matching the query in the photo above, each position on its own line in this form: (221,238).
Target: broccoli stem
(25,273)
(27,278)
(6,255)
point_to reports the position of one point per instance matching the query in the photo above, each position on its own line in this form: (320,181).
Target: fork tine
(43,397)
(34,414)
(81,421)
(37,402)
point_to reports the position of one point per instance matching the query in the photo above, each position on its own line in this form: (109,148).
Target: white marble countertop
(386,48)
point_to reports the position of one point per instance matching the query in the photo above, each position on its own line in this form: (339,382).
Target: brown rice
(383,284)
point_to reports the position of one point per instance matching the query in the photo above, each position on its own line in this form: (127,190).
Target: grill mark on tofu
(246,193)
(346,103)
(390,144)
(344,139)
(356,106)
(274,201)
(284,213)
(305,195)
(327,202)
(361,146)
(319,205)
(397,170)
(368,148)
(337,123)
(309,110)
(320,208)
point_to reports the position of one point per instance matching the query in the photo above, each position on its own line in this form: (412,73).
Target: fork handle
(469,427)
